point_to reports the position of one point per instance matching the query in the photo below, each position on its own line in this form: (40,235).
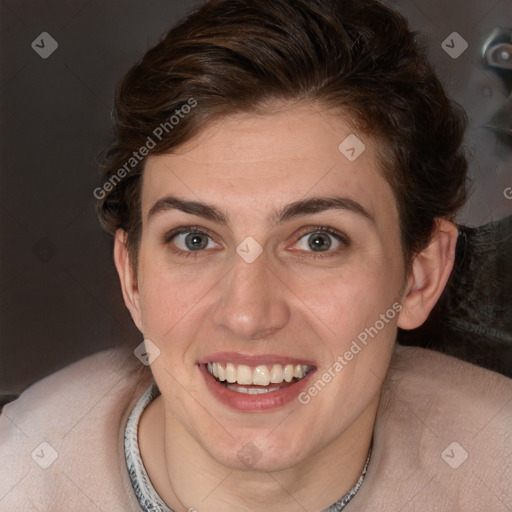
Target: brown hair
(234,56)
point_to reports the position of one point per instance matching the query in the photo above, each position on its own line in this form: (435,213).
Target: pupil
(319,241)
(195,241)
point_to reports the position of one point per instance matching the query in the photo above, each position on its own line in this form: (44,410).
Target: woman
(281,191)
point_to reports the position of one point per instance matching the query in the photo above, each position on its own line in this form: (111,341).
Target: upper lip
(253,359)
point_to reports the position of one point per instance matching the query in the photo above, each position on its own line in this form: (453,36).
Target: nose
(252,303)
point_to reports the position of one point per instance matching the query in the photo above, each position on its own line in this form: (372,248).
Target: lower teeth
(249,391)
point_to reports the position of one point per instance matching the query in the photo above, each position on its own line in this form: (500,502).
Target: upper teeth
(261,375)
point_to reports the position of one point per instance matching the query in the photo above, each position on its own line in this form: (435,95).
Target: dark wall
(59,296)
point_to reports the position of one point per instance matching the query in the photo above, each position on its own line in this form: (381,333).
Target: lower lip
(260,402)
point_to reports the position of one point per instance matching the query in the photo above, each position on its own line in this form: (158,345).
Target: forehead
(269,160)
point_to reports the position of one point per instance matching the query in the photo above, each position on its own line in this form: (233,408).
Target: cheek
(349,299)
(170,298)
(360,310)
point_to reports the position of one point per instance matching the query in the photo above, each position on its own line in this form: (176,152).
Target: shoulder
(453,401)
(64,432)
(435,382)
(419,364)
(54,402)
(443,434)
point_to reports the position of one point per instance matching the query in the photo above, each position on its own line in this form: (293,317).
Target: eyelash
(340,237)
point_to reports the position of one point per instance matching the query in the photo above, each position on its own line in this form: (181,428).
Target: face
(267,255)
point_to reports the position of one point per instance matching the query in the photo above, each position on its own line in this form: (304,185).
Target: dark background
(59,295)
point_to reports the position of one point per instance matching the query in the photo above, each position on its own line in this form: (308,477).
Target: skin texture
(287,302)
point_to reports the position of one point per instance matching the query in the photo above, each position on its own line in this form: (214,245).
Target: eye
(321,240)
(193,241)
(189,241)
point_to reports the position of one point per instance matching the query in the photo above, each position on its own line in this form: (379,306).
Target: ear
(428,276)
(127,276)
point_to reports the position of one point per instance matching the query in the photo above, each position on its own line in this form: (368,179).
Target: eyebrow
(299,208)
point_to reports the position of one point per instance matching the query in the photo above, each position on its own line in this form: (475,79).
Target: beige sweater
(435,411)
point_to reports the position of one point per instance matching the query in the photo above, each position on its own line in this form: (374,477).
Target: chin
(261,453)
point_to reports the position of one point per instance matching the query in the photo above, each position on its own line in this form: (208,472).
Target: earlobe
(127,278)
(428,276)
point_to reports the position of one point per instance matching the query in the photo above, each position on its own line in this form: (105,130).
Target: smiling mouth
(253,380)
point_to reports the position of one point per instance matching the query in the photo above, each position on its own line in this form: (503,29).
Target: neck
(188,478)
